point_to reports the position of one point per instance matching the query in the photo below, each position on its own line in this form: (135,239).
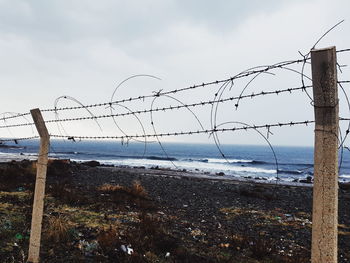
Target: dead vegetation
(135,191)
(122,197)
(57,229)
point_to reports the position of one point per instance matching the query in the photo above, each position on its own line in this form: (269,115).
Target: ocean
(246,161)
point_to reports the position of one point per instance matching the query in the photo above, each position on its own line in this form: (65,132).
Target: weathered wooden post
(325,191)
(38,204)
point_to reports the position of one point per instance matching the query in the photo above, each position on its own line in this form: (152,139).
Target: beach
(97,213)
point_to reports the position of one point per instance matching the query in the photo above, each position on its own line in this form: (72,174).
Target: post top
(34,110)
(322,49)
(39,123)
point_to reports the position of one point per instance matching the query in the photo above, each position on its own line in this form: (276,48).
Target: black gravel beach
(120,214)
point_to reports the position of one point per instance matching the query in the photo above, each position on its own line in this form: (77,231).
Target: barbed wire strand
(180,133)
(201,103)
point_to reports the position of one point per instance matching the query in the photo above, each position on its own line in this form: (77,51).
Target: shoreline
(183,173)
(180,174)
(177,172)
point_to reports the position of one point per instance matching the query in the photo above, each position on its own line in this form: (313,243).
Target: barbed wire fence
(117,109)
(218,92)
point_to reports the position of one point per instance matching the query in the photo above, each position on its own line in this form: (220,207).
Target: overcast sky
(84,48)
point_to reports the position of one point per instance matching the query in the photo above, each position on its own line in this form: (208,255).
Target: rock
(220,174)
(92,163)
(345,186)
(59,167)
(107,165)
(308,180)
(304,181)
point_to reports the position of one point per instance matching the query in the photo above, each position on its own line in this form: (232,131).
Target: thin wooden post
(38,204)
(325,191)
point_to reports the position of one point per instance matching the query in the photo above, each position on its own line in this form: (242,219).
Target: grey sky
(85,48)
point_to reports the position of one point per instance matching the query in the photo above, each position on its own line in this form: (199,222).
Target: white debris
(127,249)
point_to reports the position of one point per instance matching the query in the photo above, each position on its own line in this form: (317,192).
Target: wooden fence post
(38,204)
(325,191)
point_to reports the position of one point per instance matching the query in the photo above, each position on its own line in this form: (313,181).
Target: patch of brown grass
(136,190)
(126,196)
(110,188)
(57,230)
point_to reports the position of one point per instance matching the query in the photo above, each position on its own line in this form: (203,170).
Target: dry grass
(126,196)
(110,188)
(57,230)
(136,190)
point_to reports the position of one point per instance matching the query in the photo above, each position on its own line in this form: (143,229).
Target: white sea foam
(222,160)
(6,157)
(191,166)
